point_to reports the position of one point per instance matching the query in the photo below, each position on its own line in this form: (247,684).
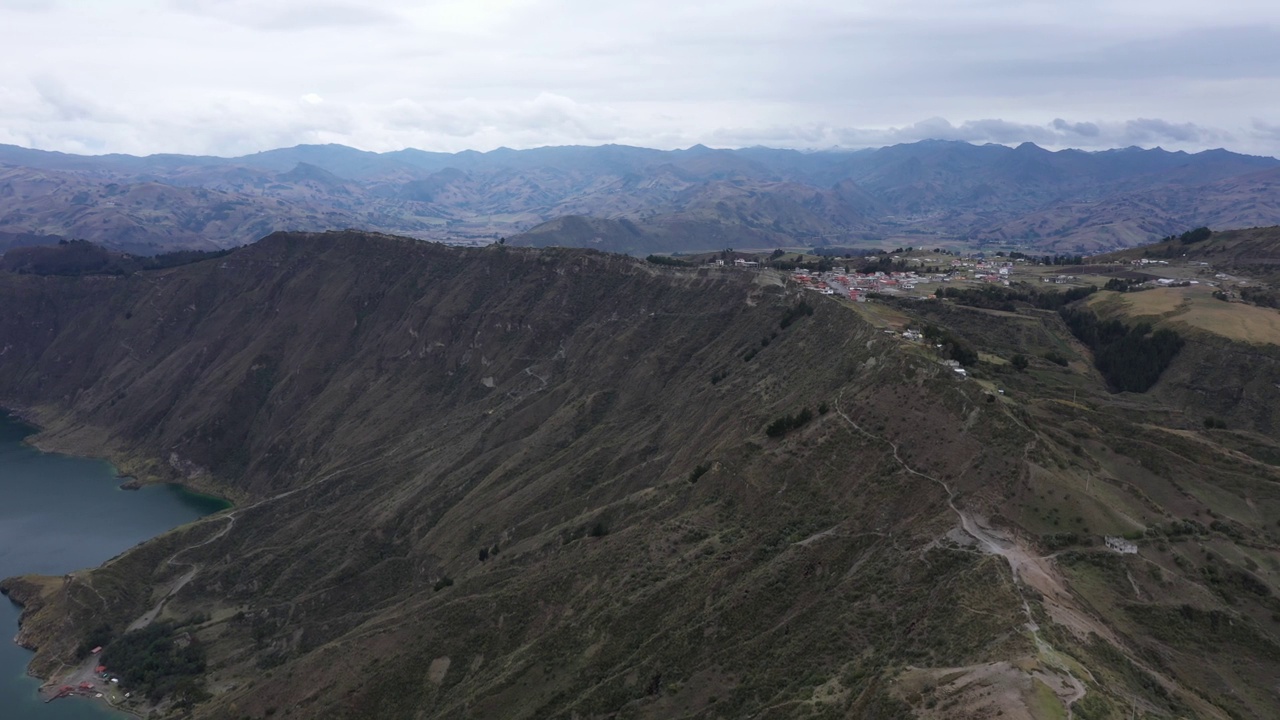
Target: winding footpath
(1027,569)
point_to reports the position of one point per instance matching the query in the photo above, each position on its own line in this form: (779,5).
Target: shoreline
(130,478)
(49,686)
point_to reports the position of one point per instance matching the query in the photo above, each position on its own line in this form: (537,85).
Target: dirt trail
(154,612)
(149,616)
(1028,569)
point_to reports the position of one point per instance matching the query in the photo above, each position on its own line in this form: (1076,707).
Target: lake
(60,513)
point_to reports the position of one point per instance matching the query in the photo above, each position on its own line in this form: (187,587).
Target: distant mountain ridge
(693,199)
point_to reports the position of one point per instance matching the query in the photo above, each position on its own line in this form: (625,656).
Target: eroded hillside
(508,482)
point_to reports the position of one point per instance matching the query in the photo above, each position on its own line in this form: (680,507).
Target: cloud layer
(234,76)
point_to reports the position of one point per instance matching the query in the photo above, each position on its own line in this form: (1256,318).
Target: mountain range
(639,200)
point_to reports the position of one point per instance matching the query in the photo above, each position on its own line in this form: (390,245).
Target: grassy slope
(427,402)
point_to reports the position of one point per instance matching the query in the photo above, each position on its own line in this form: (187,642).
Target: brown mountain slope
(1254,252)
(1026,195)
(537,483)
(142,217)
(1137,218)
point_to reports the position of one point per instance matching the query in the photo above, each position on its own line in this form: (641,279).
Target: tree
(1195,236)
(1020,362)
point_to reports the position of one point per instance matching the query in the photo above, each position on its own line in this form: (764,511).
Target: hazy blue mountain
(1050,200)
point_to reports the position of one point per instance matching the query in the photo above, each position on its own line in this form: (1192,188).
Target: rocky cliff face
(537,483)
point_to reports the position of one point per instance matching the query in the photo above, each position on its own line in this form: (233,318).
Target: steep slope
(144,217)
(1196,600)
(1137,218)
(10,240)
(716,215)
(1253,252)
(508,482)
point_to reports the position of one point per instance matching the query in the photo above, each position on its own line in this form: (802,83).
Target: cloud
(230,76)
(1078,129)
(1056,134)
(33,6)
(1147,130)
(69,105)
(286,15)
(1265,131)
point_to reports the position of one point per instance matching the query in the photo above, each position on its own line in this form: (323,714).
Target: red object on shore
(100,669)
(86,686)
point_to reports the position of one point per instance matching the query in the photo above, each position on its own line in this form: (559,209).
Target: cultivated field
(1197,308)
(1238,321)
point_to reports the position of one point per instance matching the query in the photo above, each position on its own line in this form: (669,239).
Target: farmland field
(1195,307)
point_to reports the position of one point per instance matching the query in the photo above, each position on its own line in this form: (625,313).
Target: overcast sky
(228,77)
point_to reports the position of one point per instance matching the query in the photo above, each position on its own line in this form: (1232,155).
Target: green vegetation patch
(1130,358)
(795,313)
(785,424)
(1192,628)
(999,297)
(952,346)
(669,261)
(159,660)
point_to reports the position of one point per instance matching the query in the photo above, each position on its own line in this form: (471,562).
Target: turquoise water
(60,513)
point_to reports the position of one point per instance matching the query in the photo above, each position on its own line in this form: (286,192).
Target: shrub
(668,261)
(795,314)
(698,472)
(1056,358)
(159,661)
(785,424)
(1195,236)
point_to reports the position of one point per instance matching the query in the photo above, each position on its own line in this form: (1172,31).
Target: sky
(230,77)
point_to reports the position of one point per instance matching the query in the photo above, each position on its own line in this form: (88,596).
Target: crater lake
(60,513)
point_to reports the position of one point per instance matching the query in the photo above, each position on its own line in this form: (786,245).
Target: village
(928,276)
(92,680)
(919,274)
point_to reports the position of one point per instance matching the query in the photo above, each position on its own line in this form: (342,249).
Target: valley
(516,482)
